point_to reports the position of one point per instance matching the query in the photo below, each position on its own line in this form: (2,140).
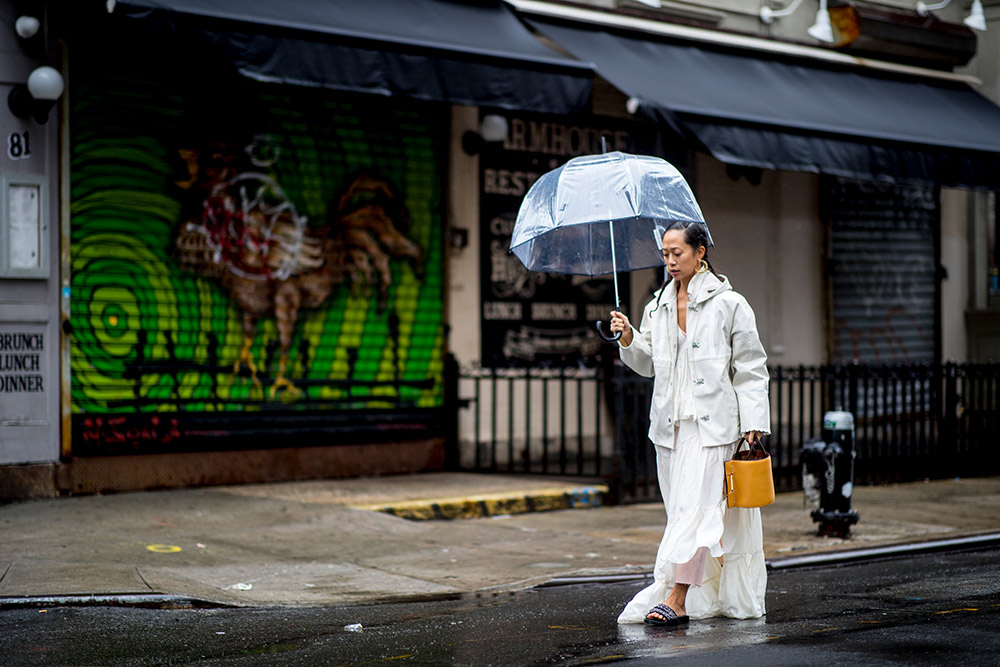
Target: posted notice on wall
(24,215)
(23,373)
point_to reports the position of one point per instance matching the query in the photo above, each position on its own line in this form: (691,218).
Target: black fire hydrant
(828,464)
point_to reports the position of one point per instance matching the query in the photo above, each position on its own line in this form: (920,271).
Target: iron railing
(533,420)
(911,422)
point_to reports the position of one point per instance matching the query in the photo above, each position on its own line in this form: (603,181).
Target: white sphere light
(493,128)
(45,83)
(27,27)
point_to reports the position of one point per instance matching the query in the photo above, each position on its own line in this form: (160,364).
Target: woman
(699,342)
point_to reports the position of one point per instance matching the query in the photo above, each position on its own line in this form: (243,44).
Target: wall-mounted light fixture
(492,130)
(820,30)
(30,35)
(924,9)
(975,20)
(37,98)
(767,15)
(457,237)
(27,27)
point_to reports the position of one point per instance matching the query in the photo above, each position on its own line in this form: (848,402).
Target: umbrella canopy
(569,217)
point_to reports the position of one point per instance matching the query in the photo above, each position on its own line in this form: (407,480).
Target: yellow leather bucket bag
(749,482)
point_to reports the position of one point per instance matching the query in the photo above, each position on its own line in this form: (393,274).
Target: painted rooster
(241,229)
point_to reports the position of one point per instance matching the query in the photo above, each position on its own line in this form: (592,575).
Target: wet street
(917,610)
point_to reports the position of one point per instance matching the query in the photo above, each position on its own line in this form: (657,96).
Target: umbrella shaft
(614,264)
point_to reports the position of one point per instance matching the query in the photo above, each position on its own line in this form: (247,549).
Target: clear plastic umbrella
(600,214)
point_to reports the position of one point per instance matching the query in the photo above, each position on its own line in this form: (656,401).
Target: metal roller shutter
(883,271)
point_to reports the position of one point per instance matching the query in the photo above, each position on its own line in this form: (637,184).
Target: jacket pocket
(662,403)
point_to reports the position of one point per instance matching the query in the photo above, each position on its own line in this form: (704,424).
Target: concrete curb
(144,601)
(847,556)
(963,542)
(496,504)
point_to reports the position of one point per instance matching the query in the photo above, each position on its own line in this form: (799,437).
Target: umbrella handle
(610,339)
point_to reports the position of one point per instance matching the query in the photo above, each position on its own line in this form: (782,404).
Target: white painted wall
(954,288)
(462,266)
(769,242)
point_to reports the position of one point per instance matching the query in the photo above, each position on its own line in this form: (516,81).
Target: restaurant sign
(531,318)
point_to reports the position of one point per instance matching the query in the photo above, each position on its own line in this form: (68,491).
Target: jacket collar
(702,287)
(706,285)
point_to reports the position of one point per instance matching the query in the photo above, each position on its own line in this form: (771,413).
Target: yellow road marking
(163,548)
(398,657)
(826,629)
(607,657)
(952,611)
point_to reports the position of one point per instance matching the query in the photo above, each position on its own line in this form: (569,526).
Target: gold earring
(704,267)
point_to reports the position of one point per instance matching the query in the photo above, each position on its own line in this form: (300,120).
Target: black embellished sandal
(670,616)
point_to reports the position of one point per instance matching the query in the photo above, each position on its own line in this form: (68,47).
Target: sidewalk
(321,543)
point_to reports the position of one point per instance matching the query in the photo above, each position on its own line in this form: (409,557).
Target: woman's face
(681,259)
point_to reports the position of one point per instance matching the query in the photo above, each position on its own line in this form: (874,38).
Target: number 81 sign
(18,146)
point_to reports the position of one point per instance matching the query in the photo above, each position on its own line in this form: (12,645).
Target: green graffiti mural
(279,252)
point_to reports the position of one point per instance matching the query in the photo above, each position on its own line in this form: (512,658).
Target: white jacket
(727,362)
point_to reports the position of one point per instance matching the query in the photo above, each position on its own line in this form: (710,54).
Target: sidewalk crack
(142,578)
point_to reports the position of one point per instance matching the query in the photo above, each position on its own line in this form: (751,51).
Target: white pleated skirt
(691,483)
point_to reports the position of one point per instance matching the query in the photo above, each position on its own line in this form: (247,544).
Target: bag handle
(754,445)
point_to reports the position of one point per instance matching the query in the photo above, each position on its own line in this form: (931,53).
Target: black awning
(757,110)
(474,52)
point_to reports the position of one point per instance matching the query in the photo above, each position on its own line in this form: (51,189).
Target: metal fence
(534,420)
(911,422)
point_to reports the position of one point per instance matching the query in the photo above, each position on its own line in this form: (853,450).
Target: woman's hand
(752,436)
(620,323)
